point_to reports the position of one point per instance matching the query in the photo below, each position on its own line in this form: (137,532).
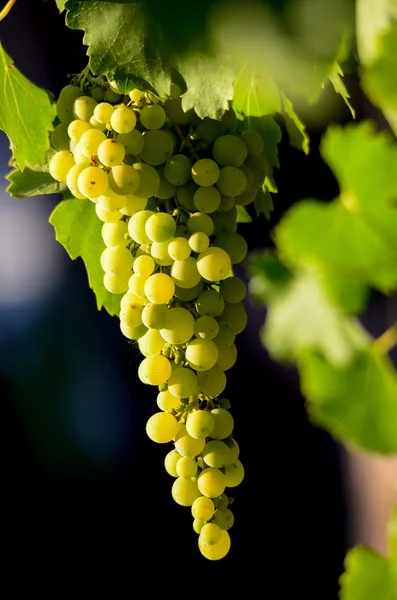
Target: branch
(387,340)
(7,9)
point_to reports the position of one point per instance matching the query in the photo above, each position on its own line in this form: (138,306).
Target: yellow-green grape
(151,343)
(224,519)
(205,172)
(131,314)
(227,357)
(76,129)
(117,260)
(161,427)
(133,142)
(92,182)
(246,198)
(249,177)
(197,524)
(201,354)
(178,169)
(188,446)
(210,534)
(103,112)
(154,315)
(179,325)
(232,181)
(123,119)
(185,196)
(159,251)
(221,502)
(206,328)
(149,180)
(170,462)
(174,110)
(136,226)
(112,201)
(184,491)
(90,142)
(234,244)
(79,157)
(152,116)
(184,273)
(208,130)
(207,199)
(234,474)
(215,551)
(199,242)
(72,178)
(60,138)
(229,151)
(253,142)
(224,423)
(236,316)
(160,227)
(136,284)
(136,95)
(188,294)
(225,336)
(233,289)
(183,383)
(166,189)
(132,333)
(115,234)
(200,424)
(214,264)
(66,101)
(186,467)
(212,382)
(211,482)
(158,148)
(203,508)
(83,108)
(144,266)
(134,205)
(234,452)
(159,288)
(124,179)
(96,125)
(130,298)
(179,248)
(111,153)
(227,202)
(216,453)
(107,216)
(199,221)
(210,303)
(116,284)
(60,165)
(155,370)
(167,402)
(111,96)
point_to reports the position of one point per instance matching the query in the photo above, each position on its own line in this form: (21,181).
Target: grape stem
(387,341)
(7,9)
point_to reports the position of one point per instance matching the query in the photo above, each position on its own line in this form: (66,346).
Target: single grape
(214,264)
(107,216)
(160,227)
(227,202)
(221,502)
(232,181)
(131,314)
(199,241)
(136,226)
(233,289)
(92,182)
(170,462)
(186,467)
(155,370)
(199,221)
(179,249)
(225,336)
(200,424)
(144,266)
(152,116)
(154,315)
(112,201)
(158,148)
(123,119)
(187,445)
(133,205)
(253,142)
(234,474)
(188,294)
(224,518)
(97,125)
(183,383)
(159,252)
(225,221)
(79,157)
(201,354)
(115,234)
(229,151)
(211,482)
(76,129)
(236,316)
(83,108)
(212,382)
(72,179)
(207,130)
(132,333)
(205,172)
(90,142)
(184,491)
(65,103)
(246,198)
(177,169)
(60,165)
(111,153)
(184,273)
(216,453)
(206,328)
(133,142)
(117,260)
(179,326)
(210,534)
(130,298)
(234,244)
(249,176)
(161,427)
(97,93)
(116,284)
(166,189)
(111,96)
(149,180)
(197,524)
(210,303)
(103,112)
(167,402)
(224,423)
(151,343)
(136,285)
(136,95)
(215,551)
(207,199)
(159,288)
(203,508)
(227,357)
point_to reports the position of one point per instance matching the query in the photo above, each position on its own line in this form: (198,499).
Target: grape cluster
(166,185)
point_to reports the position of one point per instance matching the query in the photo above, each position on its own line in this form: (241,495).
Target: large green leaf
(373,18)
(78,229)
(26,114)
(358,403)
(33,182)
(367,576)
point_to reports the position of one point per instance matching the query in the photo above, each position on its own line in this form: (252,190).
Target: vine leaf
(33,182)
(242,215)
(296,129)
(373,19)
(263,203)
(26,114)
(255,94)
(357,403)
(336,78)
(78,229)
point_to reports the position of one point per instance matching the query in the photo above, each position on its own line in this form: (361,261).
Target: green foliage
(298,137)
(367,576)
(263,203)
(33,182)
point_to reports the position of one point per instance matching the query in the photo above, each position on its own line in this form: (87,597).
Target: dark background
(84,488)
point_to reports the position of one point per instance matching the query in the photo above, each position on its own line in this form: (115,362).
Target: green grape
(79,157)
(229,119)
(113,86)
(214,264)
(130,299)
(97,125)
(234,453)
(199,242)
(170,462)
(184,273)
(227,357)
(179,249)
(206,328)
(155,370)
(133,205)
(60,165)
(197,524)
(183,383)
(166,189)
(199,424)
(221,502)
(76,129)
(207,130)
(124,180)
(117,260)
(201,354)
(131,314)
(210,303)
(178,169)
(136,285)
(115,234)
(154,315)
(203,508)
(167,402)
(236,316)
(225,221)
(151,343)
(234,474)
(188,294)
(211,482)
(175,112)
(215,551)
(103,112)
(149,180)
(123,119)
(111,96)
(97,93)
(162,426)
(185,196)
(107,216)
(199,221)
(225,336)
(207,199)
(248,176)
(186,467)
(60,137)
(158,147)
(159,288)
(234,244)
(152,116)
(246,198)
(133,142)
(187,445)
(144,266)
(160,227)
(233,289)
(112,201)
(72,179)
(258,166)
(210,534)
(227,202)
(216,453)
(159,252)
(132,333)
(205,172)
(92,182)
(224,423)
(212,382)
(136,95)
(253,142)
(90,142)
(66,101)
(116,284)
(111,153)
(179,326)
(224,519)
(83,108)
(136,227)
(229,151)
(232,181)
(184,491)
